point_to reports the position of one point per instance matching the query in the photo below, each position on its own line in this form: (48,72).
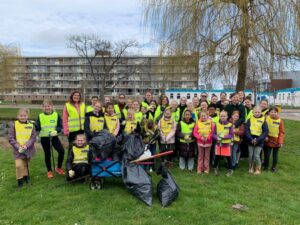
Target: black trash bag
(137,181)
(133,147)
(103,144)
(167,189)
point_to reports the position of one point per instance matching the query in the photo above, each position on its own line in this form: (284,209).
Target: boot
(250,171)
(20,183)
(27,180)
(257,170)
(229,173)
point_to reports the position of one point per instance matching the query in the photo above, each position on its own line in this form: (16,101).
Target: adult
(151,112)
(214,99)
(222,103)
(106,101)
(242,96)
(147,100)
(196,104)
(203,98)
(182,106)
(248,108)
(164,103)
(73,117)
(264,105)
(90,108)
(120,106)
(235,105)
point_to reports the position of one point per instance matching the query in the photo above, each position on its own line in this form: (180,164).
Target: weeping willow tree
(8,58)
(228,34)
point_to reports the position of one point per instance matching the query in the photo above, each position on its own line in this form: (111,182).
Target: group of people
(208,129)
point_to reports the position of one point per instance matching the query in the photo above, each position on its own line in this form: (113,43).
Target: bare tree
(229,32)
(101,57)
(8,57)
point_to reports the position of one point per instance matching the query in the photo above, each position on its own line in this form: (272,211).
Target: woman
(164,103)
(73,117)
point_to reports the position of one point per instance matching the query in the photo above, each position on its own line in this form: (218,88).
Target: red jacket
(274,142)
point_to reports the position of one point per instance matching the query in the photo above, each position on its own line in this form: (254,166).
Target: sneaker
(27,180)
(20,184)
(150,170)
(216,171)
(229,173)
(273,170)
(206,171)
(199,172)
(60,171)
(50,174)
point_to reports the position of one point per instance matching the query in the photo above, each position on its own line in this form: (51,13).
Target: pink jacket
(199,137)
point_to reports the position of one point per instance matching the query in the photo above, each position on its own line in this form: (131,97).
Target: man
(204,98)
(236,106)
(147,101)
(221,104)
(106,100)
(120,106)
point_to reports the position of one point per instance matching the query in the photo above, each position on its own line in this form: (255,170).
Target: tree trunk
(243,38)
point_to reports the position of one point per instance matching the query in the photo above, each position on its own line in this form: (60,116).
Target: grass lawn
(11,113)
(205,199)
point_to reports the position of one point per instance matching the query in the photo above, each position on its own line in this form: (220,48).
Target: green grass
(11,113)
(206,199)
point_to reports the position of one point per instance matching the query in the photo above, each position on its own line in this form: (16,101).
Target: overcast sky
(40,27)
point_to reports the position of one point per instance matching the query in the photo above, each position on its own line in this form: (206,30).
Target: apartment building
(37,78)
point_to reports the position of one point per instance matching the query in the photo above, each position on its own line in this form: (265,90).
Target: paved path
(290,114)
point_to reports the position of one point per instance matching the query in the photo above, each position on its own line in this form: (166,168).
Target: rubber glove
(71,173)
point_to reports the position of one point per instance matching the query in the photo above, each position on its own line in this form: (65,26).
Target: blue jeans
(234,150)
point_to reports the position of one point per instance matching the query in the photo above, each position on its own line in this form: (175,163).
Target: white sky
(40,27)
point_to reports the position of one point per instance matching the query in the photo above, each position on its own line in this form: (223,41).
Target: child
(94,121)
(131,125)
(111,121)
(264,105)
(138,113)
(212,113)
(175,111)
(194,114)
(167,127)
(149,134)
(22,136)
(256,133)
(184,133)
(223,134)
(275,138)
(239,131)
(49,124)
(203,133)
(77,162)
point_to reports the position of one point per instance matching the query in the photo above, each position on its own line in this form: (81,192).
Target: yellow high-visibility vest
(48,123)
(117,111)
(236,138)
(138,116)
(186,129)
(130,126)
(89,108)
(75,120)
(111,123)
(273,126)
(166,126)
(80,154)
(23,132)
(256,125)
(96,123)
(204,128)
(223,129)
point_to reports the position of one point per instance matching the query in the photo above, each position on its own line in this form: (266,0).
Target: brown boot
(257,170)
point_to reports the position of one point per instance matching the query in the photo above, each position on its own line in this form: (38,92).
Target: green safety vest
(48,123)
(249,115)
(215,119)
(118,111)
(176,115)
(186,129)
(75,120)
(145,104)
(90,108)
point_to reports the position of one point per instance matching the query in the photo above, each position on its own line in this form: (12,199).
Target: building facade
(38,78)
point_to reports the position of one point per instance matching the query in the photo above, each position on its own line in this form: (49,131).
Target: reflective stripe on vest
(224,130)
(96,123)
(273,126)
(23,132)
(204,128)
(75,121)
(166,126)
(111,123)
(256,125)
(130,126)
(117,111)
(186,129)
(48,123)
(236,138)
(89,109)
(80,154)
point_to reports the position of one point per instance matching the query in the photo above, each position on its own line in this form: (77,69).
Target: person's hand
(124,122)
(205,139)
(147,133)
(187,138)
(66,134)
(21,150)
(254,141)
(24,147)
(267,139)
(280,145)
(53,133)
(71,173)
